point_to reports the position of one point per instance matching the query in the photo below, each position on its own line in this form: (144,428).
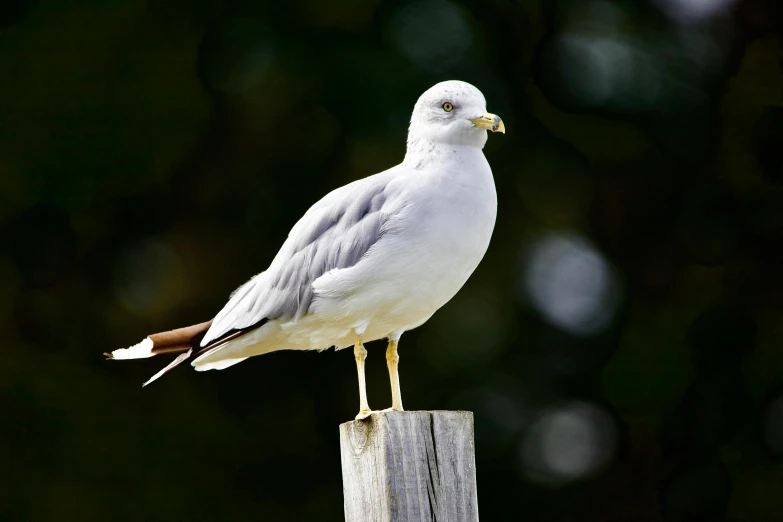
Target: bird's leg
(360,354)
(392,359)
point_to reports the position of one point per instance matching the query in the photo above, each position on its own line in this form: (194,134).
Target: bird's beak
(490,122)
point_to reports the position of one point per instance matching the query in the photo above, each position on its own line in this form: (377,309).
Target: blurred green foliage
(154,155)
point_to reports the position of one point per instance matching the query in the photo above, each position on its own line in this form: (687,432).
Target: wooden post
(411,466)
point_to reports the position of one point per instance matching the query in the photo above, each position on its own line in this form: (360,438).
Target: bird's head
(453,113)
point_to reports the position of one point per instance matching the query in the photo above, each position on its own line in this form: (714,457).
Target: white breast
(436,241)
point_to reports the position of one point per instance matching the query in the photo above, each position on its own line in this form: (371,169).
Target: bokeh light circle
(571,284)
(433,34)
(568,443)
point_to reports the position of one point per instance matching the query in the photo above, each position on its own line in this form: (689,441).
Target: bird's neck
(423,154)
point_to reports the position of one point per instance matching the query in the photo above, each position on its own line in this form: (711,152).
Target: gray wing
(335,233)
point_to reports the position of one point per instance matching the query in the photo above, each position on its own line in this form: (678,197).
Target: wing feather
(335,233)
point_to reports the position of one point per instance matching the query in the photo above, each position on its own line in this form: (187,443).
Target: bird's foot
(363,414)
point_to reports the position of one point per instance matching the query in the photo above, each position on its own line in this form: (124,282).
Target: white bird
(371,260)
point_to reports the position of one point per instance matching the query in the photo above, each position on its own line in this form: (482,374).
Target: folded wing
(334,234)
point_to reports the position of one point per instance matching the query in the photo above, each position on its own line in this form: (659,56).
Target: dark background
(620,344)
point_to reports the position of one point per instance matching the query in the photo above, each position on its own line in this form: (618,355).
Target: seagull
(371,260)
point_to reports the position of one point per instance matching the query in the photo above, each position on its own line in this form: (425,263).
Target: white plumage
(374,258)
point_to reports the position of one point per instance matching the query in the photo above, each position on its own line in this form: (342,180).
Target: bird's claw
(363,414)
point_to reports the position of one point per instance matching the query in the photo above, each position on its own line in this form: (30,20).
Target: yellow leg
(360,354)
(392,360)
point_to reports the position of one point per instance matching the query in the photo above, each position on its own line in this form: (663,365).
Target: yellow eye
(448,107)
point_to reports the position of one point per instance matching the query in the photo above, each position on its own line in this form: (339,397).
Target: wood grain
(409,466)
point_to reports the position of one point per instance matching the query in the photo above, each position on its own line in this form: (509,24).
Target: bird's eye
(448,107)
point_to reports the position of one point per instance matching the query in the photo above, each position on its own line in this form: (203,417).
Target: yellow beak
(490,122)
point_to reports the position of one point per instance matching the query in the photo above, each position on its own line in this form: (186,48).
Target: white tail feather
(219,365)
(181,357)
(137,351)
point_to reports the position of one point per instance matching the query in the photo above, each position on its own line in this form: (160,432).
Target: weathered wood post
(410,466)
